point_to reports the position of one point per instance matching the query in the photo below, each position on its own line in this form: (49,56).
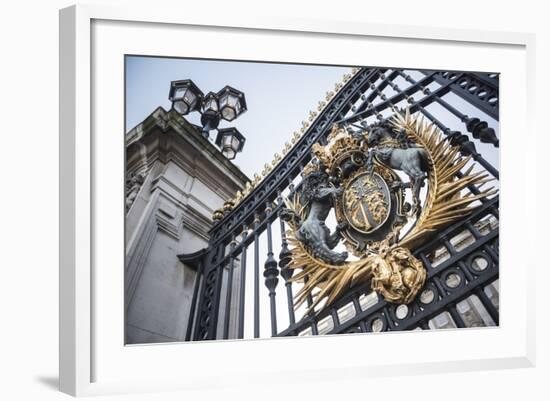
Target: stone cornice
(170,121)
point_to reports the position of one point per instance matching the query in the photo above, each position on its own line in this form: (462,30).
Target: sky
(278,96)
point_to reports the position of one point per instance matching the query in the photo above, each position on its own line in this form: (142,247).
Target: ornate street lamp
(228,104)
(185,96)
(210,103)
(230,141)
(232,103)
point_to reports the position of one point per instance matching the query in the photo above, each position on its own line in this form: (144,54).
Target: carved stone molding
(134,183)
(169,220)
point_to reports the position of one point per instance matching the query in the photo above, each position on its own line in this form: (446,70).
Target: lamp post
(228,104)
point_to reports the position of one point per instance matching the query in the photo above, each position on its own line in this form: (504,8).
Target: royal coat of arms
(356,174)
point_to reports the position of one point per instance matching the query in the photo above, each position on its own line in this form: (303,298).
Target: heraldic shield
(370,207)
(366,202)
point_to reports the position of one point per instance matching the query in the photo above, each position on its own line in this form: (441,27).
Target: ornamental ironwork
(354,173)
(415,233)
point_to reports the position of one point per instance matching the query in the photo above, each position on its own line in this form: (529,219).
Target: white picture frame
(93,358)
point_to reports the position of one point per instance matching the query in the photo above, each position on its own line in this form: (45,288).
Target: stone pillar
(175,180)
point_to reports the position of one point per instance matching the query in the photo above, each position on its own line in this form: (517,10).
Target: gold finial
(329,95)
(347,77)
(228,205)
(256,179)
(287,148)
(312,115)
(238,197)
(321,105)
(266,170)
(248,188)
(276,159)
(217,215)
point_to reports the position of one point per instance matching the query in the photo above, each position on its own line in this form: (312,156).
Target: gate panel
(250,241)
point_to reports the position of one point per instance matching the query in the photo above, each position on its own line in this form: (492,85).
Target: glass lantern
(230,141)
(232,103)
(210,102)
(185,96)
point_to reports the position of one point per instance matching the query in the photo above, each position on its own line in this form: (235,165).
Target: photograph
(270,199)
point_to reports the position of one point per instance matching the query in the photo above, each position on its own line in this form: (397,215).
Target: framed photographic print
(298,188)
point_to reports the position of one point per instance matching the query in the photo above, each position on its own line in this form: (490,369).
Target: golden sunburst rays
(445,202)
(322,280)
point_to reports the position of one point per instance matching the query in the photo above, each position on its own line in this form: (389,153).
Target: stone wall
(175,180)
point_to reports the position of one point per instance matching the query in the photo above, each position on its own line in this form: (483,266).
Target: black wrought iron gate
(249,243)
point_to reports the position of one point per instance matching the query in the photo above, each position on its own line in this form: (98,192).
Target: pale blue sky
(278,96)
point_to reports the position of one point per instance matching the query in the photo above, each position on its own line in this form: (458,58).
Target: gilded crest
(358,174)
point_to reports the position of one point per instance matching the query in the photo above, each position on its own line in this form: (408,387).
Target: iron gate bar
(475,155)
(242,278)
(207,300)
(483,105)
(386,104)
(229,290)
(486,78)
(419,106)
(357,307)
(284,259)
(271,272)
(367,103)
(256,278)
(404,94)
(463,117)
